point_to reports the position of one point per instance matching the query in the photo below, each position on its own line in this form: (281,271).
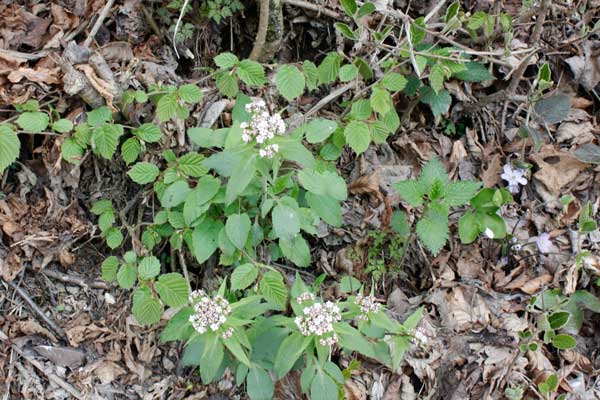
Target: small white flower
(543,242)
(227,333)
(420,336)
(517,247)
(305,297)
(489,233)
(367,305)
(318,319)
(514,177)
(208,313)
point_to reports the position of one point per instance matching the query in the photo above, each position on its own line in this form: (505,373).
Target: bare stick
(37,310)
(261,35)
(75,280)
(184,268)
(52,377)
(98,23)
(181,13)
(314,7)
(329,98)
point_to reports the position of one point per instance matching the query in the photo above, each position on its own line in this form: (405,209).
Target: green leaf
(329,68)
(99,116)
(345,30)
(114,238)
(587,153)
(190,93)
(240,178)
(286,222)
(439,103)
(296,250)
(327,208)
(433,232)
(109,268)
(251,73)
(437,76)
(394,81)
(564,342)
(349,7)
(149,133)
(206,137)
(348,72)
(411,191)
(400,223)
(273,289)
(130,150)
(227,83)
(319,130)
(432,172)
(357,136)
(172,289)
(175,194)
(148,268)
(361,109)
(494,222)
(558,319)
(70,150)
(33,122)
(191,164)
(323,183)
(102,206)
(323,387)
(473,72)
(63,125)
(554,109)
(211,359)
(145,308)
(106,220)
(468,229)
(293,150)
(243,276)
(365,9)
(311,74)
(126,277)
(178,327)
(105,140)
(9,146)
(166,107)
(205,238)
(226,60)
(380,100)
(290,82)
(237,228)
(259,384)
(461,192)
(143,173)
(204,191)
(289,351)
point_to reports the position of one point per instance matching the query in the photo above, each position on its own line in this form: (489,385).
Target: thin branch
(319,9)
(75,280)
(261,35)
(329,98)
(98,23)
(181,14)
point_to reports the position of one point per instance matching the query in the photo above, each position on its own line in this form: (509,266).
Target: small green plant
(436,194)
(483,216)
(386,249)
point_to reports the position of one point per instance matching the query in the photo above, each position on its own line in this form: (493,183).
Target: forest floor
(66,333)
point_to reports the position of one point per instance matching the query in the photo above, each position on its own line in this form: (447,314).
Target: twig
(37,310)
(184,268)
(261,35)
(314,7)
(181,13)
(98,23)
(329,98)
(52,377)
(76,280)
(434,10)
(25,56)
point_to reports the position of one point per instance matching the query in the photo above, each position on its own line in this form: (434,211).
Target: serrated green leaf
(148,268)
(311,73)
(227,83)
(114,238)
(251,73)
(9,146)
(348,72)
(33,122)
(323,183)
(175,194)
(126,277)
(166,107)
(190,93)
(63,125)
(437,76)
(172,289)
(99,116)
(109,268)
(70,151)
(296,250)
(358,136)
(143,173)
(327,208)
(226,60)
(191,164)
(102,206)
(361,109)
(345,30)
(319,130)
(329,68)
(286,221)
(148,132)
(473,72)
(439,103)
(105,139)
(433,171)
(243,276)
(106,220)
(146,308)
(237,228)
(432,231)
(394,81)
(205,238)
(130,150)
(461,192)
(380,100)
(273,289)
(411,191)
(290,82)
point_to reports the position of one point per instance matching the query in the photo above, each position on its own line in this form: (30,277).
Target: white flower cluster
(514,177)
(420,337)
(367,305)
(304,297)
(262,127)
(227,333)
(208,313)
(318,320)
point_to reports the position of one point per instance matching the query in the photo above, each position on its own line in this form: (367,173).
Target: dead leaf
(557,170)
(62,356)
(40,75)
(31,327)
(108,371)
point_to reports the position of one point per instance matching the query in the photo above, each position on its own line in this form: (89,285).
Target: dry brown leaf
(103,87)
(31,327)
(557,169)
(108,371)
(40,75)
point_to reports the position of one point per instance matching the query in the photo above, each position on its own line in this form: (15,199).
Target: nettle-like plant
(237,330)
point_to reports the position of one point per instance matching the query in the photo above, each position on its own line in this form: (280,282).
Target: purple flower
(543,242)
(514,177)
